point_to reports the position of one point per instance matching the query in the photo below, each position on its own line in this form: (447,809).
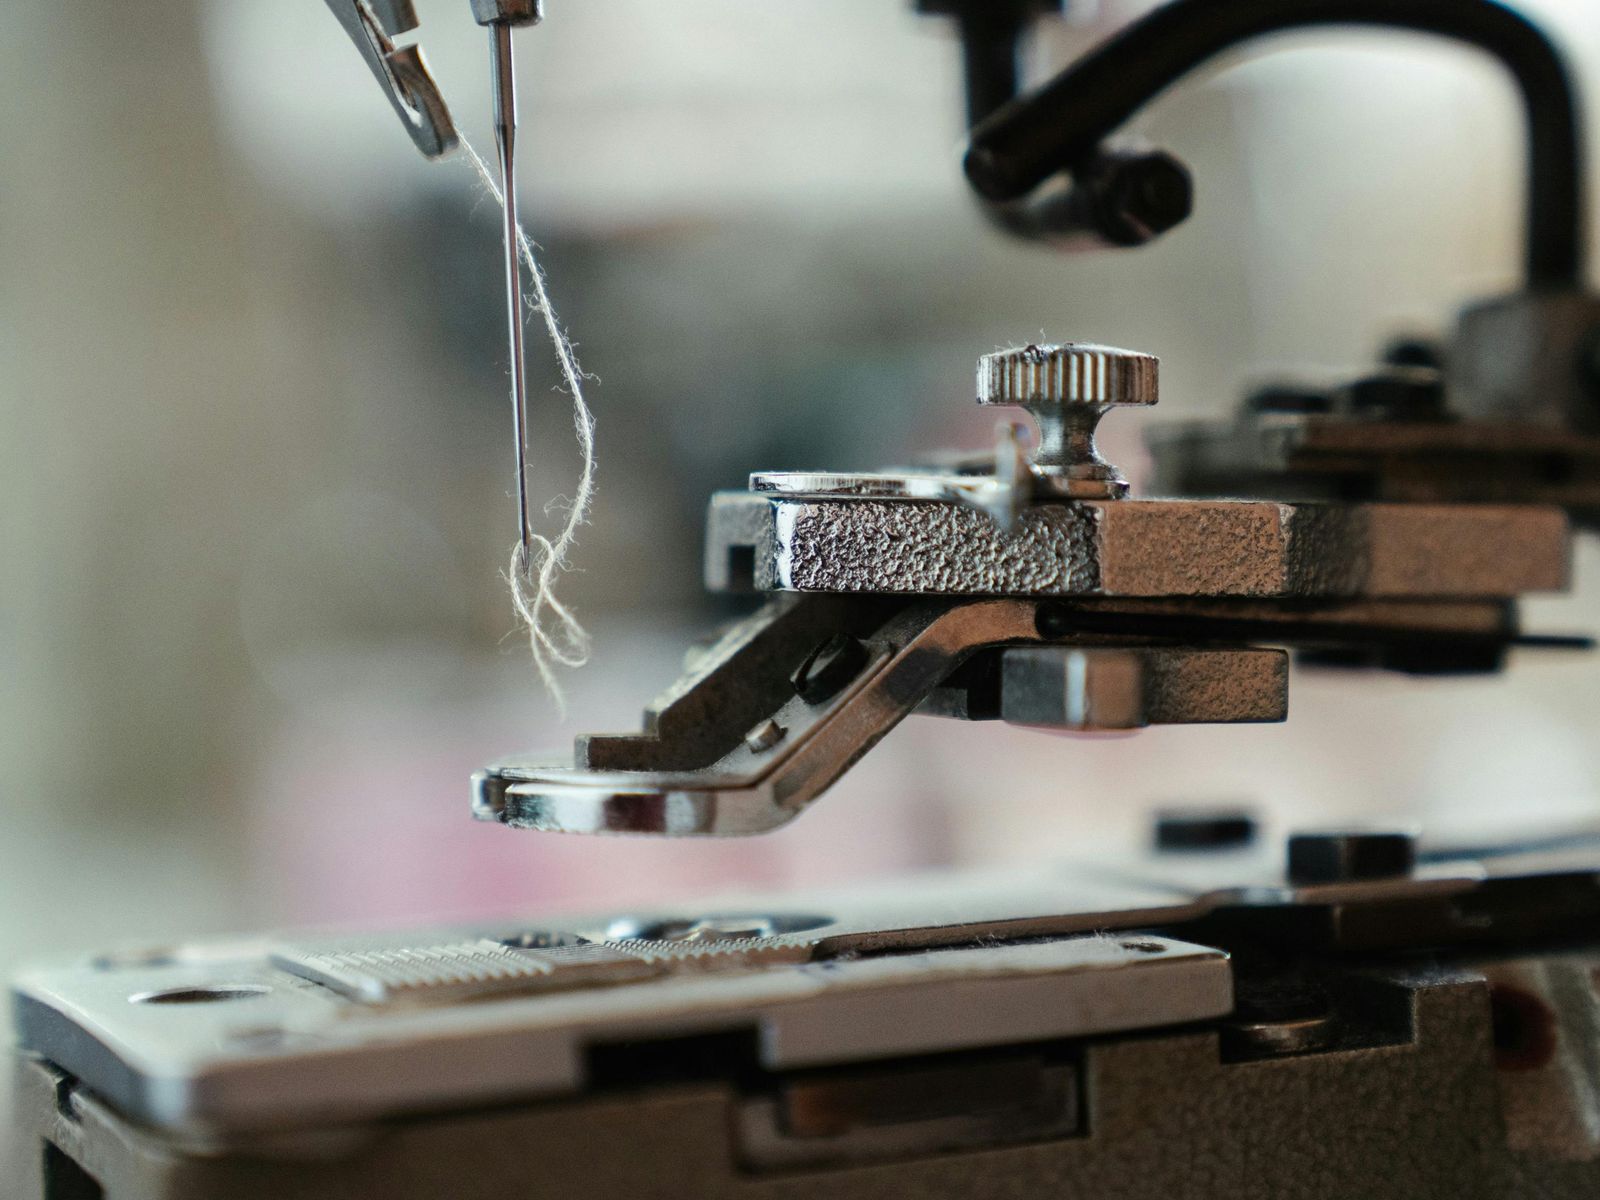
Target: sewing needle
(503,74)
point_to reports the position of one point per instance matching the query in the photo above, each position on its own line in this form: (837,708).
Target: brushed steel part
(1418,1115)
(508,12)
(1068,387)
(763,779)
(298,1048)
(401,71)
(748,790)
(384,971)
(276,1067)
(1138,548)
(1006,485)
(734,748)
(1115,687)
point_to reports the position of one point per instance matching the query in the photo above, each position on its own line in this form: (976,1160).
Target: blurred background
(255,457)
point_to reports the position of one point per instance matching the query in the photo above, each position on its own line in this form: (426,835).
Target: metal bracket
(401,71)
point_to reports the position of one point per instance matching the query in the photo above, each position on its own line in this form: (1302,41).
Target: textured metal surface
(380,974)
(868,546)
(1144,548)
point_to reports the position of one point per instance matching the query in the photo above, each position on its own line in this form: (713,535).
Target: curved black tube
(992,33)
(1030,139)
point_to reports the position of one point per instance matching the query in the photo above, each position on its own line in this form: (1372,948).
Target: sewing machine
(1358,1012)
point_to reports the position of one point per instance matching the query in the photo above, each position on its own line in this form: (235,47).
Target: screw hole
(1144,947)
(206,994)
(716,927)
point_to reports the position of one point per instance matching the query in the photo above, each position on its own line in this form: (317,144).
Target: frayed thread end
(555,636)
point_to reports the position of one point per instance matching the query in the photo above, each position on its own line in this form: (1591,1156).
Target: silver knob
(1068,388)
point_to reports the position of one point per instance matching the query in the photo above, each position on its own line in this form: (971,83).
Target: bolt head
(1067,375)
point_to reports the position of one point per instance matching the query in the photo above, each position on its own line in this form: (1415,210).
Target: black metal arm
(1063,123)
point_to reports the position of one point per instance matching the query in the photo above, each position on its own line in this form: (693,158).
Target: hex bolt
(1141,196)
(1346,856)
(828,668)
(1397,394)
(1276,1017)
(1288,398)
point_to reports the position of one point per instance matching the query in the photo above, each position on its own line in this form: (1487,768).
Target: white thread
(566,643)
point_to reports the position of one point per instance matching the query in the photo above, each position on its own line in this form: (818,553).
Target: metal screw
(1068,388)
(1287,1035)
(1277,1016)
(765,736)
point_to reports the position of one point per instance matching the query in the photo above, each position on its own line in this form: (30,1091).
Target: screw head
(765,736)
(1068,387)
(828,668)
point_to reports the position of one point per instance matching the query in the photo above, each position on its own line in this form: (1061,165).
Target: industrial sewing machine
(1357,1013)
